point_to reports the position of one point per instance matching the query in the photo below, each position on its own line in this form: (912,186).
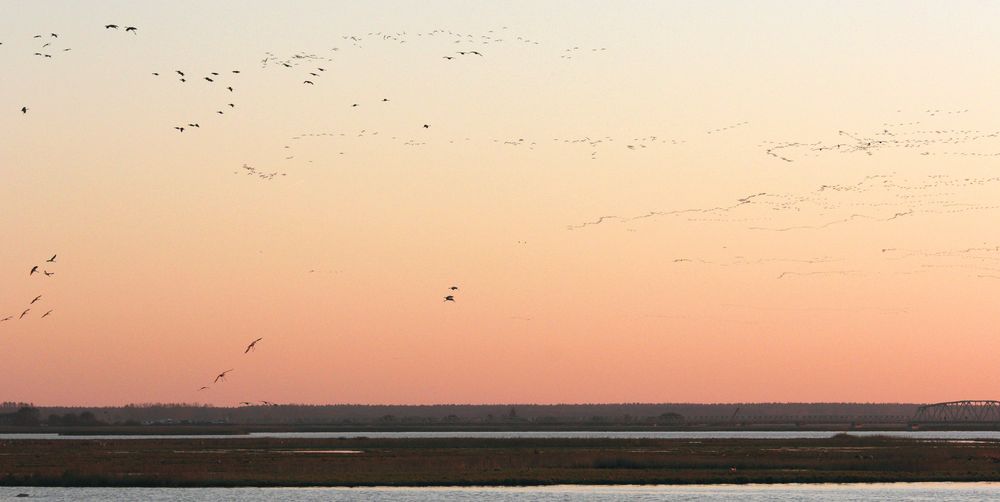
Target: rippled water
(744,493)
(950,435)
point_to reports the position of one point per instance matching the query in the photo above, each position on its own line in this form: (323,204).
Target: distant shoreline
(246,429)
(361,462)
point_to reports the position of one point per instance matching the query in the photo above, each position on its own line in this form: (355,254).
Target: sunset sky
(639,202)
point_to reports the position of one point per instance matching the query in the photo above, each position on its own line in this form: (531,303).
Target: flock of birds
(878,198)
(221,377)
(41,271)
(213,77)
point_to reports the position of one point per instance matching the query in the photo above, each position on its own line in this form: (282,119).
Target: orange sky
(867,270)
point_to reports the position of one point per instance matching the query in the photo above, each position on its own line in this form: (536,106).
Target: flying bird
(427,126)
(209,79)
(24,109)
(449,298)
(133,29)
(33,270)
(252,345)
(454,288)
(179,72)
(111,26)
(221,376)
(230,89)
(46,272)
(204,387)
(51,260)
(24,313)
(308,82)
(7,318)
(39,297)
(46,314)
(181,129)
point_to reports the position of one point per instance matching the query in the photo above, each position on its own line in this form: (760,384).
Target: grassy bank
(427,462)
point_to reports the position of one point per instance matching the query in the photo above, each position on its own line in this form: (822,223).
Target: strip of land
(498,462)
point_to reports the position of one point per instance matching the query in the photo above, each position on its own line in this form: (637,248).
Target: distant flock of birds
(43,273)
(221,377)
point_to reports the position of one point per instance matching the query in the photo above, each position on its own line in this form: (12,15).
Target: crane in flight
(252,345)
(221,376)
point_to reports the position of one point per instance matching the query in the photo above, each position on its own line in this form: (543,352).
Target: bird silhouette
(179,72)
(39,297)
(209,79)
(111,26)
(252,345)
(221,376)
(230,89)
(7,318)
(203,387)
(24,313)
(449,298)
(181,129)
(46,314)
(51,260)
(308,82)
(46,272)
(427,126)
(133,29)
(33,270)
(24,109)
(454,288)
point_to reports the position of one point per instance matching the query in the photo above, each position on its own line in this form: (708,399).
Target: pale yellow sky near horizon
(867,271)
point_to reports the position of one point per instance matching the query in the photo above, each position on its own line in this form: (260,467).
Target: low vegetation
(426,462)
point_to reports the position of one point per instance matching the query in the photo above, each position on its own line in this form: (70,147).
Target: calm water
(949,435)
(747,493)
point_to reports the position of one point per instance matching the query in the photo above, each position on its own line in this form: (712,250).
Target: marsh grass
(476,461)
